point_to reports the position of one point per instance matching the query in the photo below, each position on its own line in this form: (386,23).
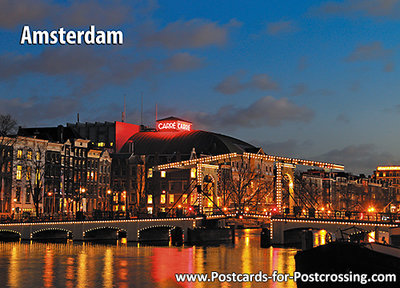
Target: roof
(53,134)
(173,118)
(208,143)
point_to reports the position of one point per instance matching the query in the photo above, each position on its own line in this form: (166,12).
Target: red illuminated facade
(171,124)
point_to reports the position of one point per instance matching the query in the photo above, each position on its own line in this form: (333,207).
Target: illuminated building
(390,174)
(173,140)
(345,191)
(170,168)
(6,164)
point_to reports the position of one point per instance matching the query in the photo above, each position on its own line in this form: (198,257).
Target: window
(193,173)
(19,172)
(193,199)
(101,144)
(37,156)
(184,198)
(162,199)
(19,153)
(18,194)
(210,203)
(149,199)
(28,173)
(28,194)
(171,198)
(29,155)
(163,174)
(150,173)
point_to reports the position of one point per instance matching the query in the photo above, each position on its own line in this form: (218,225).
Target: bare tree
(224,184)
(139,184)
(7,127)
(248,187)
(33,169)
(307,192)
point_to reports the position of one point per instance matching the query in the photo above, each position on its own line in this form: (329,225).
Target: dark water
(70,264)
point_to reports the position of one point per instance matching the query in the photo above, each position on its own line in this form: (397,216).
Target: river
(78,264)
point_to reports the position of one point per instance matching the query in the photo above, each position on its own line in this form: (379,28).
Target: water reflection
(132,265)
(320,237)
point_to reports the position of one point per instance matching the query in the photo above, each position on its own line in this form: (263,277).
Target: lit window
(193,199)
(19,172)
(111,144)
(210,203)
(162,199)
(150,173)
(171,198)
(163,174)
(37,156)
(28,173)
(19,153)
(29,155)
(184,198)
(193,173)
(149,210)
(149,199)
(101,144)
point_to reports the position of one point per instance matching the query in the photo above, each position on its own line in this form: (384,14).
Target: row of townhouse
(43,177)
(345,191)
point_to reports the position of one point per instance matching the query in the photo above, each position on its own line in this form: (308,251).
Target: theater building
(151,189)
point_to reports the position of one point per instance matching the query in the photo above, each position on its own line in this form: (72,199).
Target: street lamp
(82,191)
(109,199)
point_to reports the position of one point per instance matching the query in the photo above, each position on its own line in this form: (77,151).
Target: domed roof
(208,143)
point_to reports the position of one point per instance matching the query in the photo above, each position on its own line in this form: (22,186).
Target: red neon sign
(174,125)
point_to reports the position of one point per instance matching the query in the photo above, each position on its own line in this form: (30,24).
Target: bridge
(280,227)
(89,230)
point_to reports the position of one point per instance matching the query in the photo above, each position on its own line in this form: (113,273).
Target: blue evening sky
(311,79)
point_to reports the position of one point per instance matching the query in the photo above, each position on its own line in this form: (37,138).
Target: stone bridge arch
(155,228)
(107,232)
(6,234)
(35,234)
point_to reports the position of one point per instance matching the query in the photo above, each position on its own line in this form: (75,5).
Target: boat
(354,263)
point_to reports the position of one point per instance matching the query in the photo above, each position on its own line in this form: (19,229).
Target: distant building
(110,135)
(6,169)
(345,191)
(390,174)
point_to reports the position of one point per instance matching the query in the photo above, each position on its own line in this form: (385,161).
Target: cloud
(363,158)
(73,14)
(14,13)
(343,118)
(196,33)
(281,27)
(232,84)
(89,68)
(299,89)
(389,67)
(289,148)
(182,61)
(369,52)
(100,13)
(36,110)
(303,63)
(360,8)
(266,111)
